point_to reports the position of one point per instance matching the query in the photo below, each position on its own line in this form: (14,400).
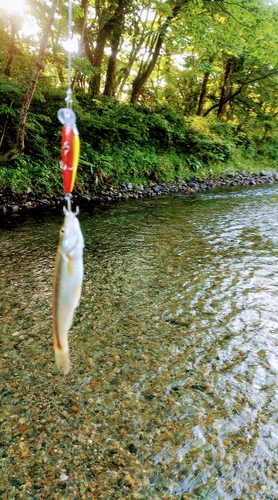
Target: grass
(124,143)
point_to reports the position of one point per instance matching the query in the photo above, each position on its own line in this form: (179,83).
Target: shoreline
(13,203)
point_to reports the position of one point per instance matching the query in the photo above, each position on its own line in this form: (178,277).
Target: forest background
(163,90)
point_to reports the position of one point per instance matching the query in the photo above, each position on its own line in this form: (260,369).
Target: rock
(156,188)
(64,477)
(264,173)
(127,190)
(230,172)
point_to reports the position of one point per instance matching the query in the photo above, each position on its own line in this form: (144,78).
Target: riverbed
(173,387)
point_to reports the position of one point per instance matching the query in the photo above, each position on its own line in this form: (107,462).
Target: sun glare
(29,26)
(71,45)
(13,6)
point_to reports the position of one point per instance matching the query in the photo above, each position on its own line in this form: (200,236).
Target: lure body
(67,284)
(70,156)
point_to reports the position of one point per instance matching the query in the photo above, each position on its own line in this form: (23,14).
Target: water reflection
(173,387)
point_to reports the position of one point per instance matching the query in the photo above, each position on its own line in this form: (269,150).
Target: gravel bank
(127,191)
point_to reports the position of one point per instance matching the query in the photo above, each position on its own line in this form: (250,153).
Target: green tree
(19,145)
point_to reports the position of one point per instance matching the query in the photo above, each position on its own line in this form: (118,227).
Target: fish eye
(62,231)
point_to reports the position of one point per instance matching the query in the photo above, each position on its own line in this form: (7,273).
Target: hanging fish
(67,284)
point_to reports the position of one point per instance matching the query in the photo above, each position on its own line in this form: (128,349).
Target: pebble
(64,477)
(95,432)
(127,190)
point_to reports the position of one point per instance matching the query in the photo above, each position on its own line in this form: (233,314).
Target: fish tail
(62,359)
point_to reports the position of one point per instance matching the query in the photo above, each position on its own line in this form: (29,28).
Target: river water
(173,388)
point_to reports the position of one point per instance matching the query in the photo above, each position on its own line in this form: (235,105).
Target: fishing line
(68,99)
(70,146)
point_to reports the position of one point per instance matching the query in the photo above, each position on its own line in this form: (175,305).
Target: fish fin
(62,359)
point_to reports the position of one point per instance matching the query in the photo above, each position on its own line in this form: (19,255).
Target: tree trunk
(226,89)
(33,82)
(94,83)
(102,37)
(5,125)
(139,36)
(247,81)
(83,33)
(12,49)
(203,94)
(140,80)
(110,84)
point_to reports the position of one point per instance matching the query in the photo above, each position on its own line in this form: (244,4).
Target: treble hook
(67,209)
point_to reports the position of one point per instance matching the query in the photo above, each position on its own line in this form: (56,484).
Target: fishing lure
(70,148)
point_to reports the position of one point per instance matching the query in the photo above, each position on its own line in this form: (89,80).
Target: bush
(119,142)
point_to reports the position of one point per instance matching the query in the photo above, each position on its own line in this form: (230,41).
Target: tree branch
(243,84)
(231,15)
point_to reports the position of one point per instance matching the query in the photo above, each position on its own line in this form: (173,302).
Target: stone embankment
(128,191)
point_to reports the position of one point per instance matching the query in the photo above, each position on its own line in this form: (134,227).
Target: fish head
(71,238)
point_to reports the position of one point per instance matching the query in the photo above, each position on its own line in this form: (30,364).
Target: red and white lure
(70,148)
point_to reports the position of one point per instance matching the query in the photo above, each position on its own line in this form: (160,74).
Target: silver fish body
(67,284)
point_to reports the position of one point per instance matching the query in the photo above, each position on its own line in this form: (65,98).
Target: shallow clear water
(172,391)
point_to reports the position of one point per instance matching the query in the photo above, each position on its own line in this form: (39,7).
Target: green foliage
(11,95)
(161,141)
(122,142)
(25,174)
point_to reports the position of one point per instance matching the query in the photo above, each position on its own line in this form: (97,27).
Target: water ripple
(174,348)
